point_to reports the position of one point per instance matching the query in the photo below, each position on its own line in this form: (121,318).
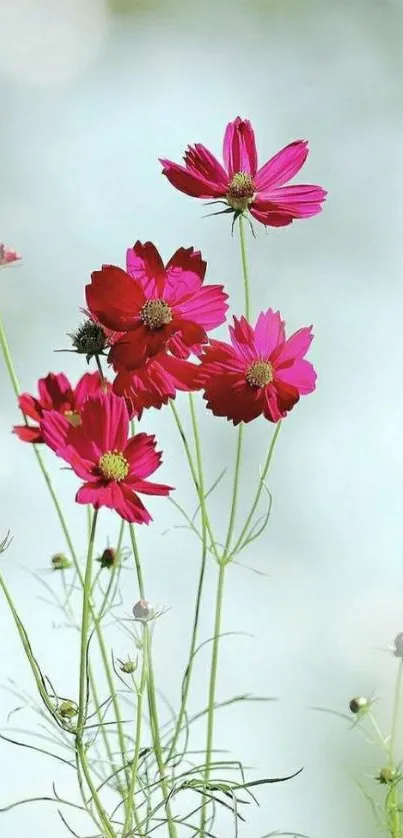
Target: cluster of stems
(139,811)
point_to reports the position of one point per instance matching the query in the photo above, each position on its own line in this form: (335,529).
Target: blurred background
(92,93)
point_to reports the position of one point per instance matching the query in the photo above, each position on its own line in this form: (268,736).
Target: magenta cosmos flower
(55,393)
(260,372)
(156,308)
(99,451)
(241,184)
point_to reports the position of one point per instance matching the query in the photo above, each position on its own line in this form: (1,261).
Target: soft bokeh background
(91,94)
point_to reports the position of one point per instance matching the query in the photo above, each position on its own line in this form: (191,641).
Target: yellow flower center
(259,374)
(113,466)
(155,314)
(73,417)
(241,190)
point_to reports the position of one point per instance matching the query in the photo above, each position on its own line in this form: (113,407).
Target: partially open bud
(386,775)
(398,650)
(89,339)
(68,709)
(109,557)
(60,562)
(143,611)
(359,704)
(128,666)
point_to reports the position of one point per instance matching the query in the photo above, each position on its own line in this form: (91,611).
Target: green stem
(137,745)
(234,503)
(151,693)
(199,591)
(155,728)
(212,686)
(260,488)
(245,272)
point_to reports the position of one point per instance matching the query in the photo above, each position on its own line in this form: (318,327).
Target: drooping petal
(146,487)
(283,166)
(131,508)
(239,149)
(187,181)
(230,395)
(201,161)
(132,350)
(270,217)
(114,298)
(286,396)
(144,264)
(100,493)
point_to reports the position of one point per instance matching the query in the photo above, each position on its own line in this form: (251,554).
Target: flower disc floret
(259,374)
(155,314)
(241,190)
(113,466)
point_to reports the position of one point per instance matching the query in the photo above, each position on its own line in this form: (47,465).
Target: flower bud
(143,611)
(359,704)
(128,667)
(89,339)
(386,775)
(60,562)
(398,650)
(109,557)
(68,709)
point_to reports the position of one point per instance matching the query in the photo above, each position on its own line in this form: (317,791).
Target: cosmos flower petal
(269,332)
(142,456)
(146,487)
(54,391)
(185,273)
(188,181)
(114,299)
(300,375)
(296,346)
(299,201)
(207,306)
(271,217)
(282,167)
(239,149)
(131,508)
(144,264)
(104,421)
(88,384)
(30,406)
(28,433)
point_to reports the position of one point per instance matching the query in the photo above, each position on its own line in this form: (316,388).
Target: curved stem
(260,488)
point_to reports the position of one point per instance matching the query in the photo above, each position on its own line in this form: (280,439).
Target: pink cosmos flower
(113,466)
(260,372)
(241,184)
(56,393)
(155,383)
(156,308)
(7,255)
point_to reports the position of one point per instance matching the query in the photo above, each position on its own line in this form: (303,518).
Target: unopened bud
(109,557)
(89,339)
(398,650)
(68,709)
(386,775)
(143,611)
(128,666)
(359,704)
(60,562)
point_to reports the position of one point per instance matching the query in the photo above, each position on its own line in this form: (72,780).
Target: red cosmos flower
(240,183)
(56,393)
(155,307)
(99,451)
(260,372)
(156,382)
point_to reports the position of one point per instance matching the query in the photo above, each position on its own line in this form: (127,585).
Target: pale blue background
(91,95)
